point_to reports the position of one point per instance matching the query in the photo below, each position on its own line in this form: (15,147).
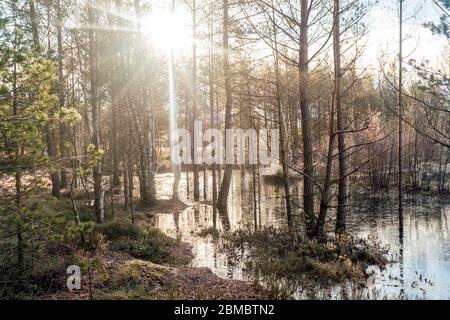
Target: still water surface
(420,254)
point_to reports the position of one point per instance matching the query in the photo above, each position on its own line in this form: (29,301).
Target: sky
(382,24)
(420,43)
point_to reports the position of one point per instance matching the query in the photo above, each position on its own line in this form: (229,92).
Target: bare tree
(222,200)
(93,67)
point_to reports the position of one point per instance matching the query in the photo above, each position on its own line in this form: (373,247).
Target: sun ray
(167,30)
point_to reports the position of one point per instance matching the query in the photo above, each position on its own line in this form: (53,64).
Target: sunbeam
(168,30)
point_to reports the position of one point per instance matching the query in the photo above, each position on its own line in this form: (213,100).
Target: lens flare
(168,30)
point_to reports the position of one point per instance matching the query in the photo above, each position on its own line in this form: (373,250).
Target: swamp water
(419,250)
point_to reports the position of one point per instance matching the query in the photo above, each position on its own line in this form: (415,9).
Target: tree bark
(222,199)
(61,93)
(400,113)
(49,132)
(34,23)
(343,180)
(93,64)
(211,109)
(281,128)
(194,99)
(115,105)
(308,163)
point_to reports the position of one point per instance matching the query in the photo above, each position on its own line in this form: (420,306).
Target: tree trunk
(49,132)
(194,100)
(400,112)
(61,93)
(93,63)
(342,191)
(281,128)
(325,201)
(20,241)
(176,167)
(115,106)
(308,163)
(211,109)
(222,199)
(130,176)
(34,24)
(18,181)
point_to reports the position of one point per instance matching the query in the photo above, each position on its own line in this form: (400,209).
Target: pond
(419,251)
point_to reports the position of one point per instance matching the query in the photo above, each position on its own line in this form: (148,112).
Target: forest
(135,138)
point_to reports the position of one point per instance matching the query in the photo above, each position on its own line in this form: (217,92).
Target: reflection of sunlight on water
(421,270)
(186,225)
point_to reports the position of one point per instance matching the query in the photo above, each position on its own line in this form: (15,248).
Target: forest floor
(131,278)
(121,260)
(129,261)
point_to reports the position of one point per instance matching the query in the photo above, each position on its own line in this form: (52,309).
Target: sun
(167,30)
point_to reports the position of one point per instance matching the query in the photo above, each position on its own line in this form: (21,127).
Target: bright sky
(420,43)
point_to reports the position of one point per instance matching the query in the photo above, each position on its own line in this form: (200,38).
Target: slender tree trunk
(308,163)
(19,207)
(194,99)
(188,183)
(115,102)
(18,181)
(130,176)
(74,176)
(140,103)
(284,166)
(211,108)
(255,202)
(325,201)
(49,132)
(342,191)
(126,188)
(222,199)
(416,158)
(400,112)
(93,64)
(34,24)
(61,93)
(150,141)
(176,167)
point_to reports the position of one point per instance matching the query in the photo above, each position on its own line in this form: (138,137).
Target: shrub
(116,230)
(153,246)
(279,254)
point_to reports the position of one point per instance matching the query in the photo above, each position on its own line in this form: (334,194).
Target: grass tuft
(285,256)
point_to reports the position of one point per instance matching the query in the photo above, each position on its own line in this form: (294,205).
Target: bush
(116,230)
(44,271)
(153,246)
(285,254)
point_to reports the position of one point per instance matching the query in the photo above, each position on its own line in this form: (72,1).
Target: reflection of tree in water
(197,214)
(176,219)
